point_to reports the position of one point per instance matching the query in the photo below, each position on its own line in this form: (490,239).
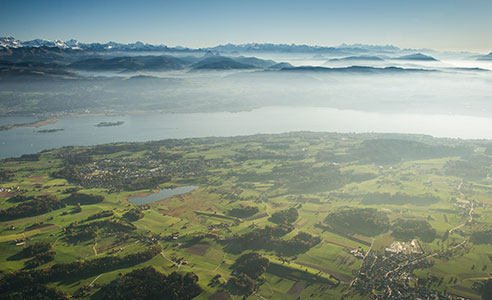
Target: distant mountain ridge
(33,70)
(354,69)
(417,56)
(486,57)
(16,50)
(138,63)
(344,49)
(220,63)
(168,63)
(59,59)
(357,58)
(9,43)
(294,48)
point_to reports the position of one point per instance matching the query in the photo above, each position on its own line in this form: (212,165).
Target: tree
(407,229)
(134,214)
(251,264)
(286,216)
(241,284)
(487,290)
(445,235)
(243,212)
(148,283)
(366,221)
(83,199)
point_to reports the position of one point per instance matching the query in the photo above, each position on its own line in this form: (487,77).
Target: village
(125,173)
(389,276)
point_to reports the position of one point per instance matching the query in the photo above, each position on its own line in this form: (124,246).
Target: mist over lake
(146,127)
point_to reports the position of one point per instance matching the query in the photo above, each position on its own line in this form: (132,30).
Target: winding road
(470,219)
(94,248)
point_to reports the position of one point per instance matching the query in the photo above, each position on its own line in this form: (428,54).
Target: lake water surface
(162,194)
(16,120)
(139,128)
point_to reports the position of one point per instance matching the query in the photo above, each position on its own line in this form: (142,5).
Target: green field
(319,174)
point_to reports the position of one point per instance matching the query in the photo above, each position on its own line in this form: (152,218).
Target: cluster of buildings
(172,237)
(358,252)
(408,248)
(105,173)
(225,226)
(9,190)
(389,276)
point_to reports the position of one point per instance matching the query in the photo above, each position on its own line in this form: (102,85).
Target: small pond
(162,194)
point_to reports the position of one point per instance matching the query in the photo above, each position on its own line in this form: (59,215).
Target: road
(425,257)
(470,219)
(220,263)
(94,248)
(92,282)
(363,259)
(266,210)
(191,267)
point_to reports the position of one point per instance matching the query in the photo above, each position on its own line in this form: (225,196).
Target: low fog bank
(374,81)
(461,92)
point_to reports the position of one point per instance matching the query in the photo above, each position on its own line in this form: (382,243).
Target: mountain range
(486,57)
(357,58)
(136,63)
(9,43)
(55,59)
(167,63)
(150,63)
(417,56)
(72,50)
(354,69)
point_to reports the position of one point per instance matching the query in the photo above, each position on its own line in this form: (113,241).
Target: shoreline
(34,124)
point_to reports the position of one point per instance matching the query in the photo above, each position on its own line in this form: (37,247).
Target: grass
(205,212)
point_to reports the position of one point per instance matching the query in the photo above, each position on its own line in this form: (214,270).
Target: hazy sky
(437,24)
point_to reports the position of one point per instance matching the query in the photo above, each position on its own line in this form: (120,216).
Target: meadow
(444,183)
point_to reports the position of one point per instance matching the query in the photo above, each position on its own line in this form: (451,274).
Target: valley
(321,208)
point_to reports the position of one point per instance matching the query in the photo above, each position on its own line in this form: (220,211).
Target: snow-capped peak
(9,42)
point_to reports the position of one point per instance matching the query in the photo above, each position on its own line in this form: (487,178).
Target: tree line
(17,281)
(148,283)
(37,206)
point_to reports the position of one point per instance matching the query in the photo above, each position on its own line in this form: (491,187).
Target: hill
(282,65)
(282,214)
(417,56)
(486,57)
(33,71)
(357,58)
(259,63)
(354,69)
(39,54)
(221,63)
(138,63)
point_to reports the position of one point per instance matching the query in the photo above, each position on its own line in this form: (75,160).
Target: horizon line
(248,43)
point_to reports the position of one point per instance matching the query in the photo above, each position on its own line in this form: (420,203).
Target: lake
(146,127)
(162,194)
(16,120)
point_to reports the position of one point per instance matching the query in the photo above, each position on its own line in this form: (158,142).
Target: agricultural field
(288,216)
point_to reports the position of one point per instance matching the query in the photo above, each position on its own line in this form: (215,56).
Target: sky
(463,25)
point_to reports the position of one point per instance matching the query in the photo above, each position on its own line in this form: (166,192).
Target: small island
(37,123)
(50,130)
(108,124)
